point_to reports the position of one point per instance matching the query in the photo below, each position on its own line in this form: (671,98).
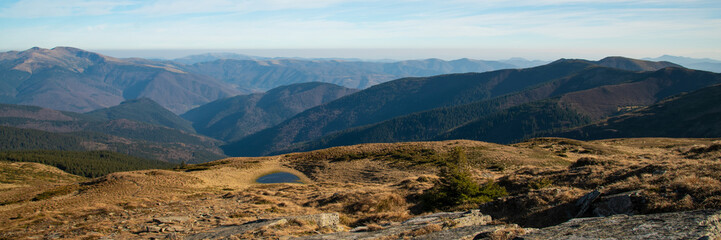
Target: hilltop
(374,184)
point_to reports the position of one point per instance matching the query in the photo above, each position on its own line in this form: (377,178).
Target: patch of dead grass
(370,189)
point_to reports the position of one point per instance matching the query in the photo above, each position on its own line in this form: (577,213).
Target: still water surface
(279,177)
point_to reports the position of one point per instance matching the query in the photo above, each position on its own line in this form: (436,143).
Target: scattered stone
(324,220)
(702,224)
(167,220)
(331,220)
(227,231)
(152,229)
(360,229)
(53,236)
(455,220)
(468,232)
(173,236)
(460,219)
(176,228)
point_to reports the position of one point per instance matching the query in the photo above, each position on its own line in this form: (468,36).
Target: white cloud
(177,7)
(54,8)
(347,24)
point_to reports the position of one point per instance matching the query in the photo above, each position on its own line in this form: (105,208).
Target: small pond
(279,177)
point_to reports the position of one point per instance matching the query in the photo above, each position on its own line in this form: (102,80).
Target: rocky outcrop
(622,203)
(584,203)
(227,231)
(593,204)
(702,224)
(476,232)
(443,225)
(324,220)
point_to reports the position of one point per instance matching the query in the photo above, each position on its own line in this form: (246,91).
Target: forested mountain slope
(593,91)
(236,117)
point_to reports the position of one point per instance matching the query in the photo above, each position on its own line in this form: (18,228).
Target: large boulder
(701,224)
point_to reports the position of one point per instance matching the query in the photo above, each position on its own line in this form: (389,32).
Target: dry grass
(374,227)
(369,184)
(430,228)
(21,181)
(668,177)
(506,233)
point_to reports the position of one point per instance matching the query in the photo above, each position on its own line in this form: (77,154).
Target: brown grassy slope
(24,180)
(376,183)
(670,175)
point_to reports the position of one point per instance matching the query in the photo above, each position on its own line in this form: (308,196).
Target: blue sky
(491,29)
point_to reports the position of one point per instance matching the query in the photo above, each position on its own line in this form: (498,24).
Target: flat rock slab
(467,232)
(330,220)
(173,219)
(473,218)
(461,219)
(227,231)
(702,224)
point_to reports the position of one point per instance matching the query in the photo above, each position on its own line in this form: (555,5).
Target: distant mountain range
(705,64)
(262,75)
(71,79)
(132,105)
(209,57)
(509,104)
(236,117)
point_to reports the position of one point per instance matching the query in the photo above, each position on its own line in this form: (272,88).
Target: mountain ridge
(236,117)
(266,74)
(143,110)
(705,64)
(385,101)
(72,79)
(690,114)
(591,71)
(125,136)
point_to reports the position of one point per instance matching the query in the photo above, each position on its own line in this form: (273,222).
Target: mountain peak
(634,64)
(74,59)
(143,110)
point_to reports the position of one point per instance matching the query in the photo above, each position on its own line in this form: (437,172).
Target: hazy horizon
(362,54)
(356,54)
(450,29)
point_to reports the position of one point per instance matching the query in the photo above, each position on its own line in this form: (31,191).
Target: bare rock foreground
(701,224)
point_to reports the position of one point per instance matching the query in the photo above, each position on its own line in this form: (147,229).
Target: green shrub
(456,187)
(540,183)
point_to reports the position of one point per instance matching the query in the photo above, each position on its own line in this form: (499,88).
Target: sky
(369,29)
